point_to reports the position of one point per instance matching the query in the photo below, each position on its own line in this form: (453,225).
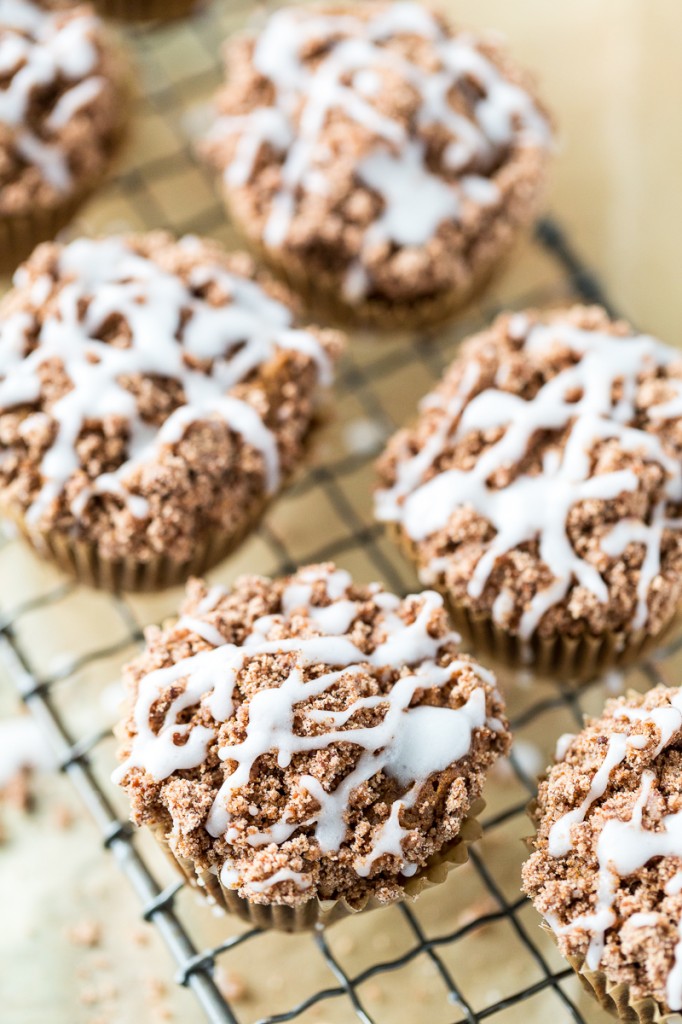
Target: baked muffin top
(607,869)
(542,480)
(61,101)
(307,737)
(147,387)
(377,143)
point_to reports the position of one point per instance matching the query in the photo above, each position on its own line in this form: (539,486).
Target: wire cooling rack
(468,950)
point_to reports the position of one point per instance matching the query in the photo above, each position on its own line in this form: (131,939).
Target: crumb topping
(149,387)
(377,144)
(307,737)
(542,481)
(606,873)
(60,101)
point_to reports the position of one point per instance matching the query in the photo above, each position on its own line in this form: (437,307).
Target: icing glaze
(624,847)
(408,743)
(40,49)
(536,507)
(347,79)
(106,278)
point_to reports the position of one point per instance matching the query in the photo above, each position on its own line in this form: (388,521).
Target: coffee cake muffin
(379,159)
(539,490)
(606,871)
(154,395)
(307,748)
(63,106)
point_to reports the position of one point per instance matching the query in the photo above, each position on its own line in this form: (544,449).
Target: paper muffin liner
(81,559)
(20,233)
(617,997)
(316,913)
(327,302)
(574,659)
(147,10)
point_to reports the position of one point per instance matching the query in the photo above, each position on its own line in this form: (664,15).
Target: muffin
(539,490)
(379,159)
(154,396)
(306,748)
(148,10)
(606,871)
(62,114)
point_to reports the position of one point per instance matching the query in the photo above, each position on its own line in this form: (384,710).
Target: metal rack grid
(370,374)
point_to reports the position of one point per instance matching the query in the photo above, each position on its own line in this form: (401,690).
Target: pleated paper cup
(82,560)
(570,659)
(617,997)
(315,913)
(323,297)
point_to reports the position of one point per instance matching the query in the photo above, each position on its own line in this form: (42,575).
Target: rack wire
(476,915)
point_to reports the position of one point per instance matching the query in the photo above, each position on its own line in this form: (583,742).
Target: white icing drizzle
(408,743)
(624,847)
(346,79)
(301,881)
(40,48)
(107,278)
(536,507)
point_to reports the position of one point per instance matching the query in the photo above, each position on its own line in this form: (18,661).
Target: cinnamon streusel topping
(377,145)
(542,481)
(606,873)
(149,388)
(61,100)
(307,737)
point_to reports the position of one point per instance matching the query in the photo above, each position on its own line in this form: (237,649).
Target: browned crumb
(18,792)
(504,364)
(231,984)
(140,936)
(181,803)
(481,908)
(63,817)
(564,887)
(157,995)
(85,933)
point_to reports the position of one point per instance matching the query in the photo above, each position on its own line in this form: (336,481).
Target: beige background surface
(610,69)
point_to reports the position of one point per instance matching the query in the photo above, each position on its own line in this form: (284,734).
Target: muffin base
(315,913)
(147,10)
(576,660)
(81,559)
(616,997)
(325,299)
